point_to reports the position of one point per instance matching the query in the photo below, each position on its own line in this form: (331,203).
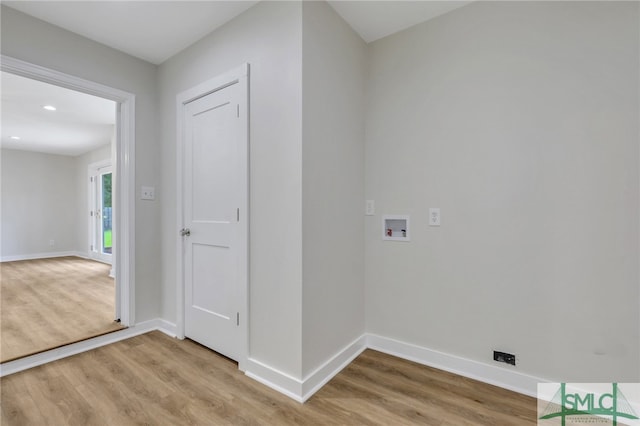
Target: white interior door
(214,203)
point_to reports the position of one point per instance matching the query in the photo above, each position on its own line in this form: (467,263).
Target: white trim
(274,378)
(503,377)
(162,325)
(302,390)
(239,76)
(124,237)
(95,252)
(125,202)
(34,256)
(314,381)
(21,364)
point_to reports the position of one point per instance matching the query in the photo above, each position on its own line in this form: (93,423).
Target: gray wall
(45,197)
(38,203)
(268,36)
(334,65)
(520,121)
(37,42)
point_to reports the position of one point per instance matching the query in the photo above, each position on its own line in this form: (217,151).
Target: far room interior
(57,272)
(458,188)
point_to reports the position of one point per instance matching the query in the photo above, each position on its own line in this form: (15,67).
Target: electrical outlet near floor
(504,357)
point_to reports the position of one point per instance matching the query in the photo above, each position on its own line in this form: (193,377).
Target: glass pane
(106,213)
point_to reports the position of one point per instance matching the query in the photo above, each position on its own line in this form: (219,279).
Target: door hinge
(91,213)
(91,248)
(238,214)
(237,318)
(238,110)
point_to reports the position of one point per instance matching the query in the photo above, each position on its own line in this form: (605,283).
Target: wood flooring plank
(47,303)
(388,400)
(158,380)
(419,387)
(105,410)
(25,413)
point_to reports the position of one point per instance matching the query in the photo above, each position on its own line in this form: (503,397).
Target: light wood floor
(47,303)
(157,380)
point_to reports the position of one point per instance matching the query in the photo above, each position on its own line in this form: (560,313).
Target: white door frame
(124,200)
(95,252)
(239,76)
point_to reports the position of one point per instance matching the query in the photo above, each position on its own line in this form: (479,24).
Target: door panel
(212,268)
(214,150)
(214,161)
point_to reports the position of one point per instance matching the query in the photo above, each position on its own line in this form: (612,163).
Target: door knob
(185,232)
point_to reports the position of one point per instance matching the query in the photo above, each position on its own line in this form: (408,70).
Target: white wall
(332,184)
(38,203)
(268,37)
(45,197)
(82,190)
(35,41)
(520,121)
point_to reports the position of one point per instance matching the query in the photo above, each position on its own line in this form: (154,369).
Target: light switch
(148,193)
(370,208)
(434,217)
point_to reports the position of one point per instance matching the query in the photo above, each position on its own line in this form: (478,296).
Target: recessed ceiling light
(49,107)
(15,138)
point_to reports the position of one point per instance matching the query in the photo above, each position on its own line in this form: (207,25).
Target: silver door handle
(185,232)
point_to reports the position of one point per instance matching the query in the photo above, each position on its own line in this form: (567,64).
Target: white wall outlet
(370,208)
(434,217)
(52,243)
(148,193)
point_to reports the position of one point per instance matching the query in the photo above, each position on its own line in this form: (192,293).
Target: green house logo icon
(612,405)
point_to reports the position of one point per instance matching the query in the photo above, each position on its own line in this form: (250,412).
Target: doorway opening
(112,222)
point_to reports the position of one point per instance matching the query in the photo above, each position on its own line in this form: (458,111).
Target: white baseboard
(168,328)
(301,390)
(275,379)
(321,375)
(34,256)
(493,375)
(86,345)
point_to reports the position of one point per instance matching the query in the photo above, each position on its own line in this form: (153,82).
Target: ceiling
(153,31)
(126,25)
(374,20)
(81,122)
(149,30)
